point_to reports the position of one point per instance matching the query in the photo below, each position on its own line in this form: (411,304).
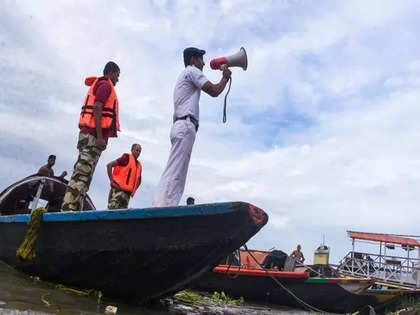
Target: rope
(224,105)
(310,307)
(26,250)
(239,267)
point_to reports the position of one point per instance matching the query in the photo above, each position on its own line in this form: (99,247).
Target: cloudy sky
(323,128)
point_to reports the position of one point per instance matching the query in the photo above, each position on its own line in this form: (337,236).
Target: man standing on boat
(186,120)
(125,177)
(99,120)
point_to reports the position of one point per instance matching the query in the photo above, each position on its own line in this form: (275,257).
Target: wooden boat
(136,254)
(288,288)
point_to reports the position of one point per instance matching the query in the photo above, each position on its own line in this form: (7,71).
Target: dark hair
(187,60)
(191,52)
(190,200)
(51,157)
(134,144)
(111,67)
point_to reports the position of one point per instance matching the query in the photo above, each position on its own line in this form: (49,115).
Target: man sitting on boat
(298,255)
(47,170)
(125,178)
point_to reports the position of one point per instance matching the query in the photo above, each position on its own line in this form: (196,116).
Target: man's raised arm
(214,90)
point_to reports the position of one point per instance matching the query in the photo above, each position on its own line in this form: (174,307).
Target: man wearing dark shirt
(99,120)
(125,177)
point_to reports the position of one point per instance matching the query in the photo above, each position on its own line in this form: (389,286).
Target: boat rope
(239,267)
(26,250)
(285,288)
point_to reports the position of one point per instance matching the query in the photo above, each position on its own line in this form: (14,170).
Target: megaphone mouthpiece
(217,63)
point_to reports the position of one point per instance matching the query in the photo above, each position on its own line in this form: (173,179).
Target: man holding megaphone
(186,120)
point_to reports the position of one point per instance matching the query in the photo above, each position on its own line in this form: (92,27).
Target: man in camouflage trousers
(99,120)
(118,199)
(125,177)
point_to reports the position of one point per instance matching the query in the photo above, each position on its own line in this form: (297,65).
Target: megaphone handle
(224,106)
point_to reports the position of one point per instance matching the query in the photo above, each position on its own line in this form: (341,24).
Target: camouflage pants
(118,199)
(79,184)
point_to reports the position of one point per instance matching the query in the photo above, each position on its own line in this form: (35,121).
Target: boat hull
(135,255)
(324,294)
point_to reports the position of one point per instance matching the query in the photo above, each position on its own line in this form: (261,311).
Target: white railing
(391,269)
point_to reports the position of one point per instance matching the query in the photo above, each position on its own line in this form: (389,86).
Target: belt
(191,118)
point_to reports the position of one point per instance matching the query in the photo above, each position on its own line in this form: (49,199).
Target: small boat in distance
(135,255)
(295,288)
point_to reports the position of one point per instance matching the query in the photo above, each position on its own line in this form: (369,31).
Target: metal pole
(352,257)
(380,256)
(38,195)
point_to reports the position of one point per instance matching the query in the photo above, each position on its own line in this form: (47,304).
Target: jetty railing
(391,269)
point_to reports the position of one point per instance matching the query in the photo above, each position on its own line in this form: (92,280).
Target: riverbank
(24,295)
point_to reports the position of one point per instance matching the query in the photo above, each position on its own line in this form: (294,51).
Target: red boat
(295,288)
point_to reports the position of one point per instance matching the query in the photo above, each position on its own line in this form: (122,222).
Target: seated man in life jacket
(125,177)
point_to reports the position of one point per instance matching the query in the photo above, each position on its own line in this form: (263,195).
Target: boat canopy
(385,238)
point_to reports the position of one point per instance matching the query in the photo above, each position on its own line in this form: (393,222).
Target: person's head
(51,160)
(194,57)
(136,150)
(299,247)
(190,201)
(112,72)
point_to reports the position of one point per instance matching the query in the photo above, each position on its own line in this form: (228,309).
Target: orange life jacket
(128,177)
(110,114)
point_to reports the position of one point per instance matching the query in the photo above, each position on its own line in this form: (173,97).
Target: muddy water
(24,295)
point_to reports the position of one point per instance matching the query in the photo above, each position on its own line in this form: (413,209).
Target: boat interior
(35,191)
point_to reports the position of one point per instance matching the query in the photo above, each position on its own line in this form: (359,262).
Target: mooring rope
(239,267)
(310,307)
(26,250)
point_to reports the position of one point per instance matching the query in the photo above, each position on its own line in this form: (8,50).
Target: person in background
(125,177)
(47,170)
(298,255)
(99,120)
(187,92)
(190,201)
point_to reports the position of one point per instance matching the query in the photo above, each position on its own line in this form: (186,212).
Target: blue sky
(322,128)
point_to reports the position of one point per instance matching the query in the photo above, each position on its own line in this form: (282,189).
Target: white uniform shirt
(187,92)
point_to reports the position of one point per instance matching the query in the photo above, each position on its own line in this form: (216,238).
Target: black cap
(192,52)
(51,157)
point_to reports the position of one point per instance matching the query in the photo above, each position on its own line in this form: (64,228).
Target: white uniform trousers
(172,182)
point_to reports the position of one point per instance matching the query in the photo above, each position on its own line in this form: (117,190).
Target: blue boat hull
(135,255)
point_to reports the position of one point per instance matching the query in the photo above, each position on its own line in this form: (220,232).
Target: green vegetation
(90,292)
(189,297)
(45,300)
(195,299)
(222,298)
